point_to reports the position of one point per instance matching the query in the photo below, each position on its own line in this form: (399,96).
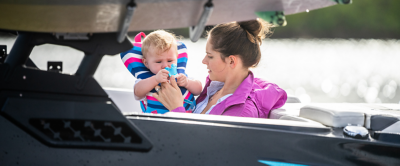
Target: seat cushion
(382,117)
(334,115)
(292,109)
(300,119)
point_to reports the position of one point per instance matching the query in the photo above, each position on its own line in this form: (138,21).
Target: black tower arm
(99,44)
(94,47)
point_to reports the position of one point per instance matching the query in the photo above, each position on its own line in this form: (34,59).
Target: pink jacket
(255,97)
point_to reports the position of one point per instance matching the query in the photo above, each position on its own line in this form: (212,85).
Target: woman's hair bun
(256,29)
(240,38)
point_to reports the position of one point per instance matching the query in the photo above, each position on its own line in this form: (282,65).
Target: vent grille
(86,131)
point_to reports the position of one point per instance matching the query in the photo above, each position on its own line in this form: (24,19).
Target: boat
(51,118)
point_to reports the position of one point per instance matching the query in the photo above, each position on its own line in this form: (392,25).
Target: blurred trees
(361,19)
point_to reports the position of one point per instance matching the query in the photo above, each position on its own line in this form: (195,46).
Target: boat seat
(371,116)
(334,115)
(297,118)
(293,99)
(383,117)
(343,114)
(371,110)
(290,109)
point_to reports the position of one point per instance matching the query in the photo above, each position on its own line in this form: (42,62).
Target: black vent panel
(95,124)
(86,131)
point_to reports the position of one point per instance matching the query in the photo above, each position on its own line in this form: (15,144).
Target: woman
(231,88)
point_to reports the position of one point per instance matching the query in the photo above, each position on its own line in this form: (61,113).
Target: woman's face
(217,68)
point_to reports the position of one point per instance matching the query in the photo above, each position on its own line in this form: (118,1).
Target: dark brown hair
(240,38)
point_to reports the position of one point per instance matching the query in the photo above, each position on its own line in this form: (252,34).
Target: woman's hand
(162,76)
(169,94)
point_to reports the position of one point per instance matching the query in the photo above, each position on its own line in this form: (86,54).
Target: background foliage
(361,19)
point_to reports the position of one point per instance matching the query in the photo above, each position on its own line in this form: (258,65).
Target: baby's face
(156,60)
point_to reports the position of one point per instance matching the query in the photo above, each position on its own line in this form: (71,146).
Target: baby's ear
(144,60)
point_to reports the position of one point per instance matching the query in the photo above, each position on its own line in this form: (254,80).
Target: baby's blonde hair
(160,39)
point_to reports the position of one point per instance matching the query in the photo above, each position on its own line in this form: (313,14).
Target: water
(314,70)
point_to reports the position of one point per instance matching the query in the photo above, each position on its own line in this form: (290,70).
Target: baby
(159,50)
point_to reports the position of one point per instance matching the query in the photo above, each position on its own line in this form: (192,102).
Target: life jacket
(132,60)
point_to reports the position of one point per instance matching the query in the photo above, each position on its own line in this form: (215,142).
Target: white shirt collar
(211,90)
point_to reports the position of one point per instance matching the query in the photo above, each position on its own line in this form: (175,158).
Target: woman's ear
(232,61)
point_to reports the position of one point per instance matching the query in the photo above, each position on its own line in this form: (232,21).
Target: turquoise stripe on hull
(275,163)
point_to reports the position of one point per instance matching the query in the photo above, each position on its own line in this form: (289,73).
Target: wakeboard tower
(50,118)
(93,16)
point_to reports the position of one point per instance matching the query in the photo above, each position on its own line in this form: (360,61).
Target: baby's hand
(182,80)
(162,76)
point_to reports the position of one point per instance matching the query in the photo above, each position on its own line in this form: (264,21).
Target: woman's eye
(158,62)
(210,57)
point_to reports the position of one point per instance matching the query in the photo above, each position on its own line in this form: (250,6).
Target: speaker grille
(86,131)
